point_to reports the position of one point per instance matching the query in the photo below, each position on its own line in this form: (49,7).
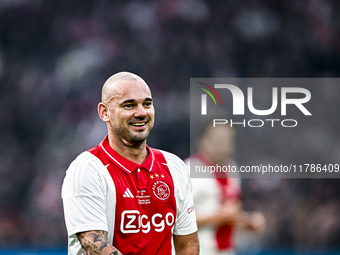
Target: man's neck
(135,153)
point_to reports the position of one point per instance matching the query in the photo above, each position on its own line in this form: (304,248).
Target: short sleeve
(186,218)
(83,194)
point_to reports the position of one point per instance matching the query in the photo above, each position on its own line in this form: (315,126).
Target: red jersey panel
(145,201)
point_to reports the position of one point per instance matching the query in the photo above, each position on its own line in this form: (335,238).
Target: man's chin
(137,139)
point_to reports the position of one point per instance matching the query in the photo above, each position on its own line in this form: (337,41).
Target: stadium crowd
(55,56)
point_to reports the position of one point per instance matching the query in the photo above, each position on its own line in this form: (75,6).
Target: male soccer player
(217,197)
(123,197)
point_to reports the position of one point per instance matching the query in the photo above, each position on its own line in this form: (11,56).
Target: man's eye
(148,104)
(128,105)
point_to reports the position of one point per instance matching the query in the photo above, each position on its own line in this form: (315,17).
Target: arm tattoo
(93,242)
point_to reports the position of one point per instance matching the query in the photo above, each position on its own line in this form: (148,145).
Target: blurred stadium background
(56,54)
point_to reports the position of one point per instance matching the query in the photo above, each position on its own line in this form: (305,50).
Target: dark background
(55,55)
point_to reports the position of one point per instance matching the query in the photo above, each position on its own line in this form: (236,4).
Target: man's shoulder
(85,173)
(175,164)
(85,157)
(169,157)
(85,161)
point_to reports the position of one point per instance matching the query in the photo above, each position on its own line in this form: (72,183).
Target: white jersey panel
(207,201)
(207,198)
(89,197)
(186,218)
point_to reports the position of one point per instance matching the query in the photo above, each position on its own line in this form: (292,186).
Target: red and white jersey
(209,193)
(140,206)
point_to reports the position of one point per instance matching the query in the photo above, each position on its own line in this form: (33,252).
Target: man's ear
(103,112)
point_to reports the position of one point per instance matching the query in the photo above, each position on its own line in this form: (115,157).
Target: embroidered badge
(161,190)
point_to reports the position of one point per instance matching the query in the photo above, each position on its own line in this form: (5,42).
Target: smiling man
(123,197)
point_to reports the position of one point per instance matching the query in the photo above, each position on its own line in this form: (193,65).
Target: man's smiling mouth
(138,124)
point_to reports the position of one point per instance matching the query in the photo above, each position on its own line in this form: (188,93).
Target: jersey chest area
(145,201)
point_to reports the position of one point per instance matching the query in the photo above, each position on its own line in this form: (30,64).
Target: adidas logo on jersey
(128,193)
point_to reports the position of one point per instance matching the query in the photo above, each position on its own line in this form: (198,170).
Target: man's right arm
(229,213)
(96,242)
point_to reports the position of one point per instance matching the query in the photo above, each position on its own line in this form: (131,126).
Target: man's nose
(140,112)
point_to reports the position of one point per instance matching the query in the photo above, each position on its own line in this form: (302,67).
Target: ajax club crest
(161,190)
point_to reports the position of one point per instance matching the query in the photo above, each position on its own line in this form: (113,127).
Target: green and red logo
(204,97)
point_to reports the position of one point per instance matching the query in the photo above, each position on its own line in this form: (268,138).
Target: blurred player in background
(123,197)
(217,198)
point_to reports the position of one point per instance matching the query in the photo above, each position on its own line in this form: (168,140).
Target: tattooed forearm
(94,242)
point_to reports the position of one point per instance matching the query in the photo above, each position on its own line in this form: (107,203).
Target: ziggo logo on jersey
(133,222)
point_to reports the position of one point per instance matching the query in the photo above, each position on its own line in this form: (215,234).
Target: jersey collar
(124,164)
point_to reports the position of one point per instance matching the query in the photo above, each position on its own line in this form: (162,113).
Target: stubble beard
(137,138)
(134,138)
